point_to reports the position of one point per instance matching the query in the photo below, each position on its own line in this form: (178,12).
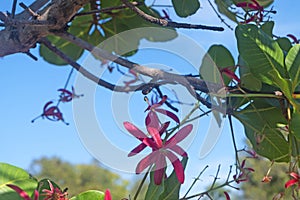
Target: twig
(105,10)
(233,141)
(13,9)
(35,6)
(219,16)
(194,182)
(166,23)
(32,13)
(31,56)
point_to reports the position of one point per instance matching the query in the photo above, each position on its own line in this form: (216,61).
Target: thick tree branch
(92,77)
(191,83)
(22,33)
(164,22)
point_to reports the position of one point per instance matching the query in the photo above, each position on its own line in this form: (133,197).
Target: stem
(233,140)
(141,184)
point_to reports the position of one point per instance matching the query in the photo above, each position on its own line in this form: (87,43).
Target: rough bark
(24,30)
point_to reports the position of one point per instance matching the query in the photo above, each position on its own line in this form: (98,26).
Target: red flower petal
(159,172)
(169,114)
(177,149)
(46,105)
(179,136)
(137,149)
(152,120)
(155,135)
(107,195)
(295,175)
(21,192)
(164,128)
(227,195)
(177,166)
(147,161)
(290,183)
(136,132)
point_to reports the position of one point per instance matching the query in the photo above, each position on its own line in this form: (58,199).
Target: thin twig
(166,23)
(32,13)
(194,182)
(105,10)
(233,141)
(219,16)
(13,9)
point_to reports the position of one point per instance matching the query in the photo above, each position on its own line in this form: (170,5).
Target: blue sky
(26,85)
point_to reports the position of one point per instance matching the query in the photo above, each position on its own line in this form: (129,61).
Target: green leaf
(185,8)
(285,44)
(292,62)
(89,195)
(295,125)
(154,191)
(267,27)
(10,174)
(172,186)
(224,8)
(261,122)
(264,3)
(216,58)
(250,82)
(262,54)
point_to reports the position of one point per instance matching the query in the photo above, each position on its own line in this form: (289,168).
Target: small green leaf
(89,195)
(185,8)
(224,8)
(267,27)
(216,58)
(154,191)
(292,62)
(172,186)
(284,43)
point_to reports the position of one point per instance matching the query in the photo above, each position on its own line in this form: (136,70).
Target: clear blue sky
(27,85)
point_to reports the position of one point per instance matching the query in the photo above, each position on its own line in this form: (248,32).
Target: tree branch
(164,22)
(191,83)
(94,78)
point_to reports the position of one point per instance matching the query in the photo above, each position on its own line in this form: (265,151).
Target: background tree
(80,177)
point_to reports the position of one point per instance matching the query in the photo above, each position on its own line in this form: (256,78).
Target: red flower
(293,181)
(54,193)
(227,195)
(160,150)
(254,6)
(152,118)
(243,174)
(22,193)
(294,38)
(107,195)
(136,78)
(52,113)
(230,74)
(67,96)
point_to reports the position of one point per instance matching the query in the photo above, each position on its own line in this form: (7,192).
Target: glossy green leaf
(293,65)
(295,125)
(89,195)
(172,186)
(224,8)
(154,191)
(261,122)
(10,174)
(262,54)
(216,58)
(251,82)
(185,8)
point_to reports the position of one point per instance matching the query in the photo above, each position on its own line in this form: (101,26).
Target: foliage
(79,177)
(263,94)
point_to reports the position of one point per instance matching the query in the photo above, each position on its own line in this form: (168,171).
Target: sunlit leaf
(224,8)
(293,65)
(10,174)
